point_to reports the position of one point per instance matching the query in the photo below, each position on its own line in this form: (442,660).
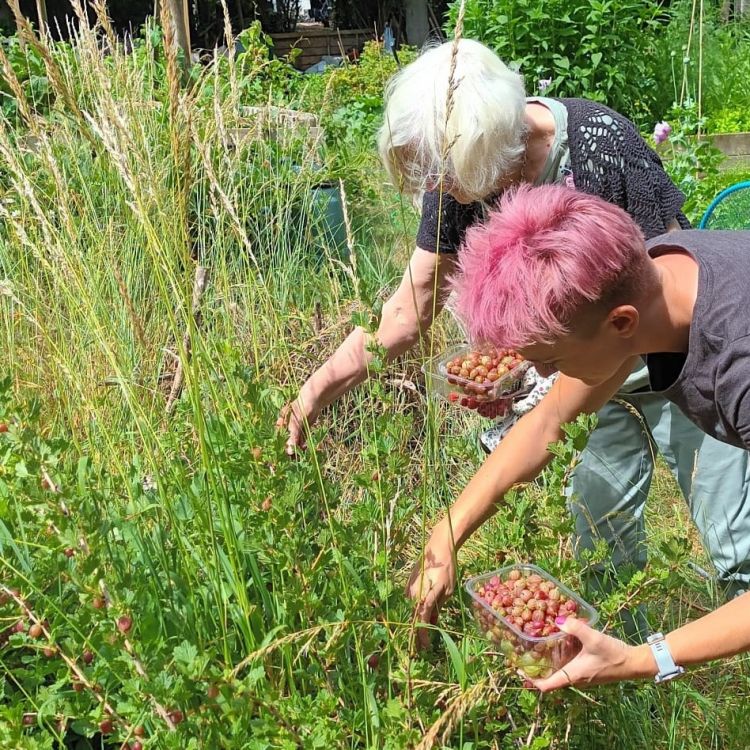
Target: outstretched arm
(724,632)
(406,315)
(519,458)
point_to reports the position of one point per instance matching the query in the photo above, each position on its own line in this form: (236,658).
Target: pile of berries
(524,620)
(481,376)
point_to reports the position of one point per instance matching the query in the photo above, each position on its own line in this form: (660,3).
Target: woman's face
(594,353)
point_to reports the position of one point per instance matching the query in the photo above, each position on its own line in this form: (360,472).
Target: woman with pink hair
(569,281)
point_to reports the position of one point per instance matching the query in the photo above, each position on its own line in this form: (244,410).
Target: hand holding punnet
(601,659)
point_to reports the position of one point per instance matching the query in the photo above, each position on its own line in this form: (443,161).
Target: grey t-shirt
(711,383)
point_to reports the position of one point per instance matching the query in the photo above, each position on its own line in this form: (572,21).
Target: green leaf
(540,743)
(394,709)
(254,676)
(457,659)
(372,707)
(185,654)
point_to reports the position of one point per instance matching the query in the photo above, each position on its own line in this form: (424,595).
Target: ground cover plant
(168,578)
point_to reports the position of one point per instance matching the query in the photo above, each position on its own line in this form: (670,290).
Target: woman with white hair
(459,127)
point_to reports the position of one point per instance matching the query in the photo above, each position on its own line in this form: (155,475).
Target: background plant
(604,50)
(692,162)
(705,59)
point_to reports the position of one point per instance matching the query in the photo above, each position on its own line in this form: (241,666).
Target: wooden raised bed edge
(734,146)
(316,43)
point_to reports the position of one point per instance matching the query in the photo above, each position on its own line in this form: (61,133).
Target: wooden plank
(318,43)
(285,35)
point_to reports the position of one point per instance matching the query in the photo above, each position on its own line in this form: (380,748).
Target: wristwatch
(668,670)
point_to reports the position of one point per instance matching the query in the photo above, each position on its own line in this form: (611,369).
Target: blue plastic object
(730,209)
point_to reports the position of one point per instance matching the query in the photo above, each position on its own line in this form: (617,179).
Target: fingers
(296,435)
(419,581)
(283,416)
(409,590)
(427,608)
(427,612)
(423,638)
(422,588)
(579,629)
(554,682)
(289,419)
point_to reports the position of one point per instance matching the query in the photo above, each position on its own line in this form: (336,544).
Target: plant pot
(327,214)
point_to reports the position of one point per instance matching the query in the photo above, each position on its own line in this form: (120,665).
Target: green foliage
(353,103)
(692,162)
(29,69)
(205,583)
(710,63)
(599,49)
(348,99)
(265,593)
(729,120)
(262,78)
(356,95)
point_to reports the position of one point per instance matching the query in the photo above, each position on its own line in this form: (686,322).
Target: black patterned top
(608,158)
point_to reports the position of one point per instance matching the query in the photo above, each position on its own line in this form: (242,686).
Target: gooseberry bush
(209,591)
(129,602)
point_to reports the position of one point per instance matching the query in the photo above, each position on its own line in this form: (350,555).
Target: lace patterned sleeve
(609,158)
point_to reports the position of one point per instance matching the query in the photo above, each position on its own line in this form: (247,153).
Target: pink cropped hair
(543,256)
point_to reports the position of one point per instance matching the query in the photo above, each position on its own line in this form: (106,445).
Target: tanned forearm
(406,316)
(720,634)
(519,458)
(522,454)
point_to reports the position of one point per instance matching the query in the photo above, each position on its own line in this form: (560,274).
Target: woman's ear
(624,320)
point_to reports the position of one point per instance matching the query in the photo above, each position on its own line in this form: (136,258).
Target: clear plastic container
(489,398)
(533,655)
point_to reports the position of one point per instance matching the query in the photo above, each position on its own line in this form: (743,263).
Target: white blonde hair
(465,126)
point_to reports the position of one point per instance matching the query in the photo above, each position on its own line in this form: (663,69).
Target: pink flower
(661,132)
(543,84)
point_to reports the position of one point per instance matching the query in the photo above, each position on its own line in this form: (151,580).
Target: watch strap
(668,670)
